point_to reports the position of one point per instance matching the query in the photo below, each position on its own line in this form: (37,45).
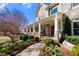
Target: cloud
(28,5)
(3,5)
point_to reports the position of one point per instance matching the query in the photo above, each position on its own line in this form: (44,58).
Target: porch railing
(36,34)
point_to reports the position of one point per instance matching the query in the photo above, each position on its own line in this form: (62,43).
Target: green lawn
(4,39)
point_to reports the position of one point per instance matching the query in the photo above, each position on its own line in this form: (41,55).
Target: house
(49,20)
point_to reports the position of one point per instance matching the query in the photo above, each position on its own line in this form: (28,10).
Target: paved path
(32,50)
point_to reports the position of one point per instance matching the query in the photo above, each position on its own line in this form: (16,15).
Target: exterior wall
(74,12)
(64,7)
(68,45)
(43,13)
(70,9)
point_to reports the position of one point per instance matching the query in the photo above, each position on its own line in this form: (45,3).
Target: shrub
(31,37)
(66,25)
(75,50)
(73,39)
(55,49)
(45,51)
(21,45)
(24,37)
(62,38)
(48,41)
(37,39)
(51,50)
(6,48)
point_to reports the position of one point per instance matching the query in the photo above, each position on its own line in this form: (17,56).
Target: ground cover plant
(75,50)
(13,48)
(50,48)
(73,39)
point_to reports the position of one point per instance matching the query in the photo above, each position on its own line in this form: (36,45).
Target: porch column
(56,34)
(72,27)
(30,30)
(34,30)
(39,25)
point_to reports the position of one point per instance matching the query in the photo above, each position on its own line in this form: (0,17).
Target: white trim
(75,20)
(56,29)
(59,10)
(54,8)
(74,6)
(72,26)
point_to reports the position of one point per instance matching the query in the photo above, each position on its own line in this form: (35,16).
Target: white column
(56,34)
(39,25)
(30,30)
(72,27)
(34,30)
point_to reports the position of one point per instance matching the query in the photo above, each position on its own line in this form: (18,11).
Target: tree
(11,22)
(66,26)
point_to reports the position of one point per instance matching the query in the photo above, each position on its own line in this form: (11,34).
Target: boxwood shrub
(24,37)
(31,37)
(73,39)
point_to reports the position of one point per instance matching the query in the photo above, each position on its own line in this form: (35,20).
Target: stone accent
(68,45)
(65,50)
(64,7)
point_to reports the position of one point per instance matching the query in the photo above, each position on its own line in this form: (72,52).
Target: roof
(40,7)
(52,6)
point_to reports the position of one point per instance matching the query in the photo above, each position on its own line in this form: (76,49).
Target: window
(53,11)
(76,26)
(74,4)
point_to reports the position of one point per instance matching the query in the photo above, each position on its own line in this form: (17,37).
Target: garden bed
(16,47)
(50,49)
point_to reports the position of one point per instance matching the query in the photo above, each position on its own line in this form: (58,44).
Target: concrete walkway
(32,50)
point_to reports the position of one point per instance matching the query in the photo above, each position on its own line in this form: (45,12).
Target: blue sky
(29,9)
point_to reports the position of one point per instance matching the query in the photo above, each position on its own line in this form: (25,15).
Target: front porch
(49,27)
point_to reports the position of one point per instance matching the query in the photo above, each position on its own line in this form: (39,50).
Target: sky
(29,9)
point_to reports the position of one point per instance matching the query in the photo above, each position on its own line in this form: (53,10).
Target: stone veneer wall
(64,7)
